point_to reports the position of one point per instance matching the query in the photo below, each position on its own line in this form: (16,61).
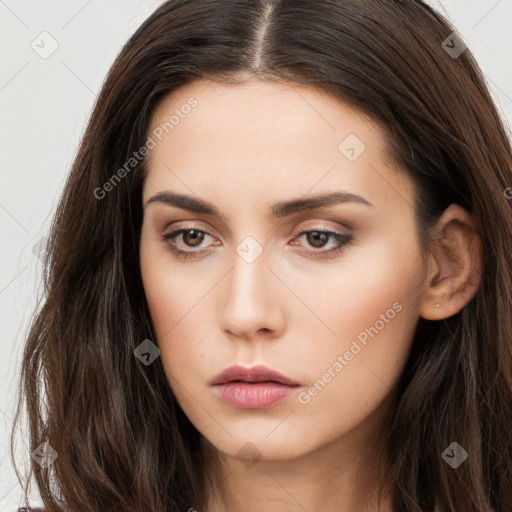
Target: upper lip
(257,373)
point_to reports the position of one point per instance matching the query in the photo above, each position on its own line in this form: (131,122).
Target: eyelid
(190,224)
(323,226)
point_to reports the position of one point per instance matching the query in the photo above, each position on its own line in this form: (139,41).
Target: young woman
(278,275)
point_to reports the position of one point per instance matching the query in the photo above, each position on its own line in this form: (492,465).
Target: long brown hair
(123,443)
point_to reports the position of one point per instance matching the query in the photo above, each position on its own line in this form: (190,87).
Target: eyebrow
(281,209)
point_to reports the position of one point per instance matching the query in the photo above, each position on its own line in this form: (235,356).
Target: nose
(252,305)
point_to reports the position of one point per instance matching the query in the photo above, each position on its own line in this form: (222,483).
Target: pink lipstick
(257,387)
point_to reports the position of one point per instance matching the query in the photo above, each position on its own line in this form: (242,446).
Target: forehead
(252,105)
(260,137)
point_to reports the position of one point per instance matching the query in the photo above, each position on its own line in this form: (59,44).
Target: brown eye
(317,238)
(193,237)
(178,241)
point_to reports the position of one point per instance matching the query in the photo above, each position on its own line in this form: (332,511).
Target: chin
(259,447)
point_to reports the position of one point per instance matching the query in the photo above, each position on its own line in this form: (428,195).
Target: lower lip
(244,395)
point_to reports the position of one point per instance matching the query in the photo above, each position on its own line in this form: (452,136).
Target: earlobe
(455,265)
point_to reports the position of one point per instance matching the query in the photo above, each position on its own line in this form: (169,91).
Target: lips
(258,387)
(255,374)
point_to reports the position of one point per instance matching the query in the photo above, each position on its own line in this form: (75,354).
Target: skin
(243,148)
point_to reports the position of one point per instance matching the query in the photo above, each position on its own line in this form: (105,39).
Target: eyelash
(339,237)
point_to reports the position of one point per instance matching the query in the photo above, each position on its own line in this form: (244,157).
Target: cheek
(369,310)
(169,301)
(170,291)
(353,295)
(355,378)
(352,375)
(177,302)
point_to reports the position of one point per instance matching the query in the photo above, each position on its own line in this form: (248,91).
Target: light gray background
(44,105)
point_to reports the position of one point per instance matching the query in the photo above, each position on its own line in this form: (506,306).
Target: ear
(455,265)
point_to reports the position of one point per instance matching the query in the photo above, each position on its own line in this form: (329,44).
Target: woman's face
(334,315)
